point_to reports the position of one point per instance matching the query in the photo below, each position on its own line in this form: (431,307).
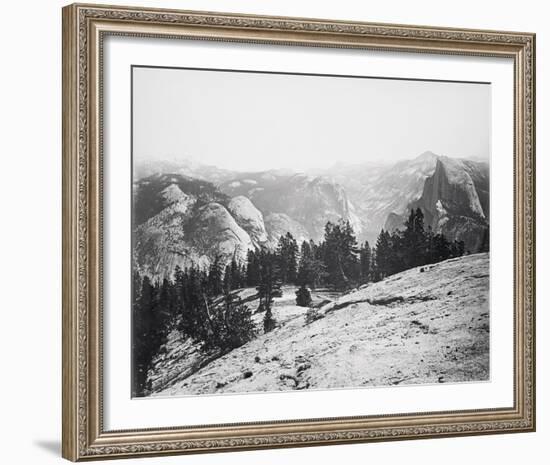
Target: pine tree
(147,334)
(303,297)
(167,309)
(340,254)
(311,270)
(430,252)
(138,369)
(179,289)
(228,280)
(350,252)
(399,255)
(236,323)
(441,248)
(192,322)
(209,332)
(215,273)
(252,268)
(365,258)
(269,282)
(414,241)
(287,253)
(236,277)
(383,252)
(268,287)
(457,248)
(485,245)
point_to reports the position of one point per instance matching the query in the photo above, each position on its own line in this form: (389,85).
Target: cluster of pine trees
(339,262)
(199,303)
(333,262)
(202,304)
(413,246)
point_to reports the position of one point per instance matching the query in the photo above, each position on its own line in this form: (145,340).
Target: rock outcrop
(378,190)
(249,218)
(215,232)
(184,222)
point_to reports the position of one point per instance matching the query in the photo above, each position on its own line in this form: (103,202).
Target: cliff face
(381,191)
(184,237)
(452,188)
(455,201)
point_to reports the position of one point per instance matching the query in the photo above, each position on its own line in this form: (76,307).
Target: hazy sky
(252,121)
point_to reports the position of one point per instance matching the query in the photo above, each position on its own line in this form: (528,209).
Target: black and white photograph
(307,232)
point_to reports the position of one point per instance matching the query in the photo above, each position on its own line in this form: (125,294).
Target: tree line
(203,304)
(414,246)
(339,262)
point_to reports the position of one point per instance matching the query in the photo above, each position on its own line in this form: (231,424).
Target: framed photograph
(289,232)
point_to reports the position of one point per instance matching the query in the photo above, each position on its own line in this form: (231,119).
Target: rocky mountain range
(187,213)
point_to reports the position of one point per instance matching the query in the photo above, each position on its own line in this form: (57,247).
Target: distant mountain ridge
(310,201)
(188,213)
(382,190)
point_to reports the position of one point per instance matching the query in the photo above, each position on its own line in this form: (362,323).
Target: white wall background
(30,231)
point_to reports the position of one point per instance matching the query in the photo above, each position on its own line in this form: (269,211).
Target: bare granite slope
(424,325)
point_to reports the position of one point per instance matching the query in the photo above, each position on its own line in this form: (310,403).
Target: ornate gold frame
(84,27)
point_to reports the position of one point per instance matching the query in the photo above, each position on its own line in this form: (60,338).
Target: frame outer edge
(533,187)
(78,200)
(70,376)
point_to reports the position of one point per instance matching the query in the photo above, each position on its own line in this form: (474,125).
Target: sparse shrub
(312,315)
